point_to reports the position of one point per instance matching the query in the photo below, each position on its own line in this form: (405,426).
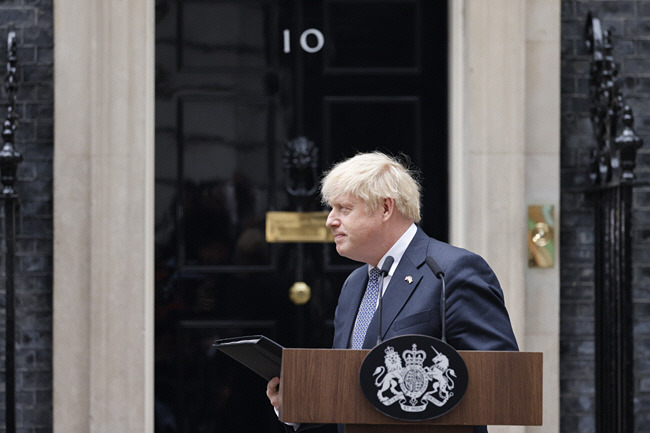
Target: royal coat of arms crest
(418,382)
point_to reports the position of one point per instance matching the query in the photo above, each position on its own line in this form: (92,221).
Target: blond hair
(373,177)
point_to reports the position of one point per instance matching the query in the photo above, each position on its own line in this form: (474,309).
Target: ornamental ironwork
(612,173)
(9,157)
(9,160)
(614,158)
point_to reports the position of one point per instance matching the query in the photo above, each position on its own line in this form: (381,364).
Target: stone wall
(630,21)
(33,23)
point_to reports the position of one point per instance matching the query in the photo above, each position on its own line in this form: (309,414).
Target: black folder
(257,352)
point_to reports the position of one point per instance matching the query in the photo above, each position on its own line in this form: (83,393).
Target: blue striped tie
(367,309)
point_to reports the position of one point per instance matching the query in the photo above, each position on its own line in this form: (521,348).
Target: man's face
(357,231)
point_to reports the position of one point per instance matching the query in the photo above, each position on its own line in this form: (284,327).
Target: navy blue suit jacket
(476,314)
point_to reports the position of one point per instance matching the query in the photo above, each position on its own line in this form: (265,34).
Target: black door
(235,82)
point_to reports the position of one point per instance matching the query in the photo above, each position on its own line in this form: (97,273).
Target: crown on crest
(414,357)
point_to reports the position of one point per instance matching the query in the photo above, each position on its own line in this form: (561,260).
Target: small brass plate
(541,237)
(297,227)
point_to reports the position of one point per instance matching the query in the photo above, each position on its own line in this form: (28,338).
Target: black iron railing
(9,160)
(612,175)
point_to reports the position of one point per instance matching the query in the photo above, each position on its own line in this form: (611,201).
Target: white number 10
(320,40)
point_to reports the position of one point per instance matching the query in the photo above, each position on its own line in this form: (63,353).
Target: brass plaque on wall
(541,238)
(297,227)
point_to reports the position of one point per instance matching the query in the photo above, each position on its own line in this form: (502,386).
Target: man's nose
(331,219)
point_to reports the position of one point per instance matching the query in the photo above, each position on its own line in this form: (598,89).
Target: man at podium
(375,208)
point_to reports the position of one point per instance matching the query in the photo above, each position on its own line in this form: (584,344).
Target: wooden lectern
(322,386)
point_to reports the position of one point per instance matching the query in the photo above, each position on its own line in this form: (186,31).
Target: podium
(322,386)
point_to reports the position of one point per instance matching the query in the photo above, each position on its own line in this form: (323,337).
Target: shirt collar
(398,249)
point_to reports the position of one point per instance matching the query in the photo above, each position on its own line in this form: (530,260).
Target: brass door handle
(299,293)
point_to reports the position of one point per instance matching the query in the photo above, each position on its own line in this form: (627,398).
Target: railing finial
(9,157)
(613,159)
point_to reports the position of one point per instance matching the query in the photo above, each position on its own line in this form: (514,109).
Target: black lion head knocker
(300,163)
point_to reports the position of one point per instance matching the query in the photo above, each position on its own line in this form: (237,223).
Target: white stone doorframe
(504,111)
(103,216)
(505,155)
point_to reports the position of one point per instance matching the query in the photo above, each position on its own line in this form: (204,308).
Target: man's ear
(387,208)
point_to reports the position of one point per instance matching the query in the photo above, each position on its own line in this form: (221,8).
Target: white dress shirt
(396,252)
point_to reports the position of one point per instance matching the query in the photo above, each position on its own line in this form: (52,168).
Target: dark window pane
(226,182)
(367,124)
(218,35)
(354,40)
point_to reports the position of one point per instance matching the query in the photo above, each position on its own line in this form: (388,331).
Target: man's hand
(273,393)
